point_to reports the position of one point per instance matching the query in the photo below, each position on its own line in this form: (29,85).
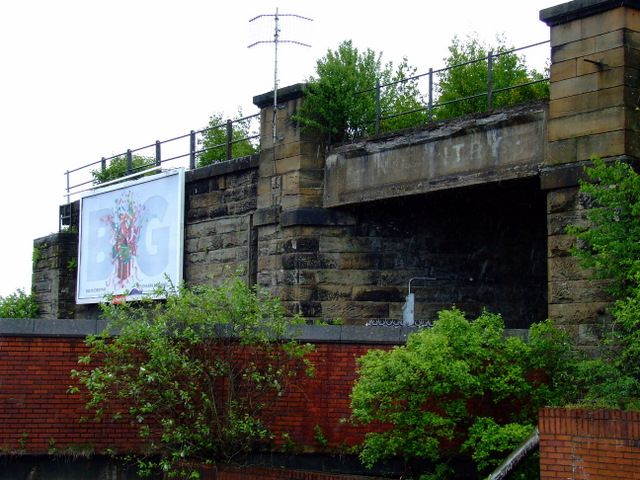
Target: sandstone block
(589,123)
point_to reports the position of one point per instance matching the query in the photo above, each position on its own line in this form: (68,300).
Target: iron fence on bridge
(138,160)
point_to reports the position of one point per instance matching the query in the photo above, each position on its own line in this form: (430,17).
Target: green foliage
(117,168)
(213,144)
(454,387)
(195,372)
(72,264)
(340,100)
(36,254)
(490,441)
(18,305)
(470,79)
(609,246)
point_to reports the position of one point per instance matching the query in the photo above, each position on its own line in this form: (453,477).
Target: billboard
(131,238)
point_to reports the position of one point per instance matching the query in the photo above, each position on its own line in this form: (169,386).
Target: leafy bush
(213,144)
(18,305)
(460,387)
(470,79)
(195,372)
(117,168)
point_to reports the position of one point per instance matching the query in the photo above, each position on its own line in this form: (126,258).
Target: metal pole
(430,94)
(378,107)
(275,77)
(490,81)
(192,150)
(103,164)
(129,161)
(68,188)
(229,140)
(158,154)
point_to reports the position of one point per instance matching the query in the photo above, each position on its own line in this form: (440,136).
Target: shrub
(18,305)
(195,371)
(460,387)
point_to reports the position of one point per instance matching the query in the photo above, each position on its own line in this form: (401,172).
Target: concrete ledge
(10,327)
(284,94)
(223,168)
(359,334)
(567,12)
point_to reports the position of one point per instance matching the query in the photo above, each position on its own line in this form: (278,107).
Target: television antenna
(277,40)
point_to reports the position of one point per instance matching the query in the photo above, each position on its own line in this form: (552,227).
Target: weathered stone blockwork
(54,274)
(220,202)
(595,60)
(577,301)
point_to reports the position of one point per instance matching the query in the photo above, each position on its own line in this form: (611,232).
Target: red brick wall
(585,444)
(37,414)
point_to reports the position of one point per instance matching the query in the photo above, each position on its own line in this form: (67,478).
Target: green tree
(18,305)
(460,388)
(340,101)
(609,245)
(462,79)
(117,168)
(195,371)
(213,144)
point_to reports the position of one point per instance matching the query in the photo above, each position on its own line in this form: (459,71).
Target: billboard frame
(131,290)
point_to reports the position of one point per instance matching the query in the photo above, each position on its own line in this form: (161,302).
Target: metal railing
(243,130)
(429,101)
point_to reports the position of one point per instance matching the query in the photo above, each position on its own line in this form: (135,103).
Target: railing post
(229,140)
(129,161)
(158,154)
(430,94)
(377,107)
(68,188)
(103,164)
(490,81)
(192,150)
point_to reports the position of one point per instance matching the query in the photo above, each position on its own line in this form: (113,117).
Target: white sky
(82,79)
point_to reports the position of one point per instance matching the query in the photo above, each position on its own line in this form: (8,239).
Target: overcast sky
(82,79)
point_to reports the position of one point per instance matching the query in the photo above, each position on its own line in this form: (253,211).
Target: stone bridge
(473,209)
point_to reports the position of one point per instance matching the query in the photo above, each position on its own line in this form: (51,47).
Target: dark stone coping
(284,95)
(354,334)
(567,12)
(314,216)
(223,168)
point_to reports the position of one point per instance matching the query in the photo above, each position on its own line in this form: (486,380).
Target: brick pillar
(592,112)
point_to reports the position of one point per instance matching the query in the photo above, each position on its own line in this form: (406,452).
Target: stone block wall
(219,236)
(577,300)
(485,248)
(55,260)
(595,61)
(595,56)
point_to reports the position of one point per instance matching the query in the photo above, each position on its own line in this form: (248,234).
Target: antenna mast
(276,40)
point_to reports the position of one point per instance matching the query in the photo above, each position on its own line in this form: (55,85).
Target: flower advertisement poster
(131,238)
